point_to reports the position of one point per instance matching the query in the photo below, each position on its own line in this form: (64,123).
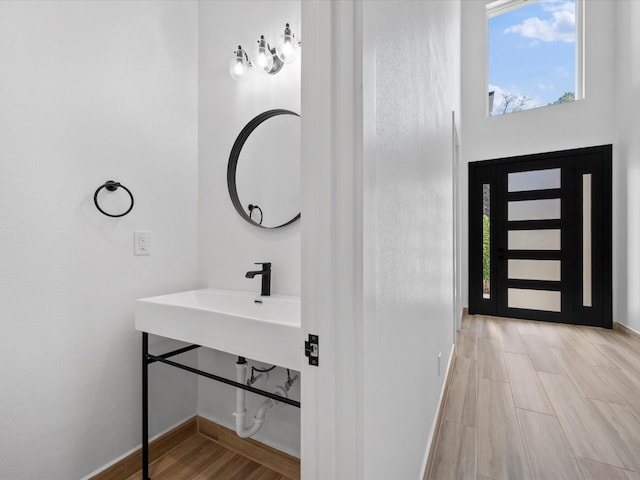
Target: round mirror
(263,175)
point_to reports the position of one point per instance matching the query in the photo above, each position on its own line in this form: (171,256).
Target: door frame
(336,290)
(457,228)
(581,158)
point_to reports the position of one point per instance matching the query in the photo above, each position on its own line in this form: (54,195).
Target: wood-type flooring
(200,458)
(537,400)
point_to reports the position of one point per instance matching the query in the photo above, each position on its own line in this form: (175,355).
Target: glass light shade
(239,66)
(287,47)
(262,58)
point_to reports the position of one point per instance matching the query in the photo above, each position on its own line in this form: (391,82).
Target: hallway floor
(536,400)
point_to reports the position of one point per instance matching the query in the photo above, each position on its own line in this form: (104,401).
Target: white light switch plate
(141,243)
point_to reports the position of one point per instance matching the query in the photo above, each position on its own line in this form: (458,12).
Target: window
(535,54)
(486,240)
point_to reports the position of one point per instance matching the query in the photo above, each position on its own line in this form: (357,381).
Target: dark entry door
(540,237)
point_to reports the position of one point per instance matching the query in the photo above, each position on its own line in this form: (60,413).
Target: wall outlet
(141,243)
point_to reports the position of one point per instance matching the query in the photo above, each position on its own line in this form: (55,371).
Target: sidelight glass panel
(534,270)
(586,240)
(534,239)
(546,300)
(546,209)
(534,180)
(486,240)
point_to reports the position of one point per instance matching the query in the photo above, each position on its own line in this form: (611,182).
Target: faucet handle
(265,265)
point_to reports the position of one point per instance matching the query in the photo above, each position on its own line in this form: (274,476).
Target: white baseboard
(436,424)
(627,327)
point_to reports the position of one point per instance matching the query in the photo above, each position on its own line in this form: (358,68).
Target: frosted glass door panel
(534,180)
(534,299)
(535,270)
(586,240)
(534,239)
(546,209)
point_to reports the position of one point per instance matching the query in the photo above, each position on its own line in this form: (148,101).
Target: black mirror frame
(233,163)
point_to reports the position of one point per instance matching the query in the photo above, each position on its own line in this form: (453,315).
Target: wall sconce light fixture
(264,58)
(239,65)
(287,47)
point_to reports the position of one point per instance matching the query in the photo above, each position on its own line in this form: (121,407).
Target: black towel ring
(255,207)
(112,186)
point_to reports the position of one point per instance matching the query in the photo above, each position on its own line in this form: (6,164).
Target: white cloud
(561,71)
(544,86)
(559,27)
(557,5)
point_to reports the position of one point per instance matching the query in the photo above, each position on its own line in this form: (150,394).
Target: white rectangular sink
(266,329)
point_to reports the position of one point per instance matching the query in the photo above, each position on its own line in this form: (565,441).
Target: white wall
(90,91)
(228,245)
(417,71)
(583,123)
(626,172)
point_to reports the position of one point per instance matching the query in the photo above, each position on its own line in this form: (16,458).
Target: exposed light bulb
(238,69)
(262,57)
(287,47)
(239,66)
(261,61)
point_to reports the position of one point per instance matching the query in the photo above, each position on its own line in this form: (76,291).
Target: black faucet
(266,277)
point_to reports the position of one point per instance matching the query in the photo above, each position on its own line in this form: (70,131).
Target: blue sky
(532,52)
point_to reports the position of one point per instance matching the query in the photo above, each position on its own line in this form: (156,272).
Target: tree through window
(534,54)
